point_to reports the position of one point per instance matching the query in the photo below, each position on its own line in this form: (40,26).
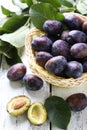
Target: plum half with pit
(74,69)
(18,105)
(56,65)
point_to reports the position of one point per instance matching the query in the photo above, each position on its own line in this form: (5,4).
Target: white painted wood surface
(78,119)
(10,89)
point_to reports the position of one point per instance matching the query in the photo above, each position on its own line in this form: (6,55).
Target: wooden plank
(8,90)
(78,120)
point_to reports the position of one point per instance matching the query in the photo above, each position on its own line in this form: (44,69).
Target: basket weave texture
(44,74)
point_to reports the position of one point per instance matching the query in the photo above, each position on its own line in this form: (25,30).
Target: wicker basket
(44,74)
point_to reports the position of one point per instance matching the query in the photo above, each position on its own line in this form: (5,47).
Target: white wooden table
(10,89)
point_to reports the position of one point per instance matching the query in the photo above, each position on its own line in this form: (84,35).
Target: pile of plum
(18,72)
(62,52)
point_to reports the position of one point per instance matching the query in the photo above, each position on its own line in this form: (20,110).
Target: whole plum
(41,43)
(77,101)
(74,69)
(56,64)
(52,27)
(32,82)
(76,36)
(16,72)
(84,27)
(60,47)
(73,22)
(42,58)
(79,50)
(85,66)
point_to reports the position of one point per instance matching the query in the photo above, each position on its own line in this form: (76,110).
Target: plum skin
(85,66)
(84,27)
(73,22)
(79,50)
(77,101)
(69,37)
(41,43)
(52,27)
(74,69)
(16,72)
(32,82)
(42,57)
(56,65)
(60,47)
(53,38)
(76,36)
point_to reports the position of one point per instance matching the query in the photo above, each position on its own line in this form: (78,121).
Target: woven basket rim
(44,74)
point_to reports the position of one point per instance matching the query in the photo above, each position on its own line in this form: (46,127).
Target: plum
(84,27)
(18,105)
(32,82)
(42,57)
(52,27)
(73,22)
(74,69)
(79,50)
(60,47)
(85,66)
(41,43)
(76,36)
(56,65)
(77,101)
(16,72)
(53,37)
(37,113)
